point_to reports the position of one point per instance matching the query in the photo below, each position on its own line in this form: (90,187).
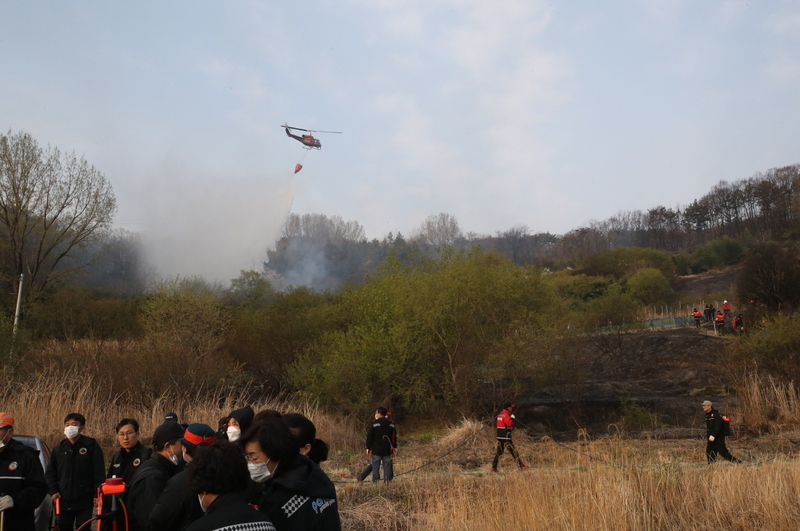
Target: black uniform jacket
(714,424)
(230,512)
(381,437)
(300,497)
(75,471)
(22,478)
(177,507)
(125,463)
(146,487)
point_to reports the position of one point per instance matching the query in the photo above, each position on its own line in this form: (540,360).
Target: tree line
(758,209)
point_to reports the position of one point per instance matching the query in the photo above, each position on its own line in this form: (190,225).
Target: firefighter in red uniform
(505,424)
(737,323)
(719,323)
(697,316)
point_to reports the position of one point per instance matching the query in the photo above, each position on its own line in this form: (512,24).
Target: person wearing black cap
(151,479)
(22,481)
(75,471)
(715,435)
(173,417)
(177,507)
(218,479)
(504,423)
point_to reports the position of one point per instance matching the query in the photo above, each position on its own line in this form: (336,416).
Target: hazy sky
(502,112)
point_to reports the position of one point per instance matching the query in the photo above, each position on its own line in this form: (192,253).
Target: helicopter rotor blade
(334,132)
(295,128)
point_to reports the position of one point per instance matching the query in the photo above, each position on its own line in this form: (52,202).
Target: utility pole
(16,317)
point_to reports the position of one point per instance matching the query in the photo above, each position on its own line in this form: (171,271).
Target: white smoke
(310,267)
(217,226)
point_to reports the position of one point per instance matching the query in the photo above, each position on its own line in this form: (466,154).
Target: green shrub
(682,262)
(625,261)
(187,313)
(614,308)
(71,313)
(716,253)
(581,289)
(770,277)
(649,286)
(638,418)
(773,349)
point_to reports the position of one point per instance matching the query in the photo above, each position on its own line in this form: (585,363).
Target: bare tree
(580,243)
(515,243)
(51,205)
(439,230)
(321,228)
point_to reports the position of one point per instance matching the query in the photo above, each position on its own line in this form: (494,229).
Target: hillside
(667,373)
(663,373)
(709,282)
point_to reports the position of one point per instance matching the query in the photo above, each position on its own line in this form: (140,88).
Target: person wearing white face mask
(150,481)
(218,478)
(177,506)
(75,471)
(289,480)
(237,423)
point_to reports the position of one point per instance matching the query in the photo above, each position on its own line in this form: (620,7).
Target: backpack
(726,425)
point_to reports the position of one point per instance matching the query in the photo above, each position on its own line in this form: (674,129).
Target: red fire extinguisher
(115,488)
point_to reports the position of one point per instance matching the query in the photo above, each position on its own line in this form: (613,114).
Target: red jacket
(504,424)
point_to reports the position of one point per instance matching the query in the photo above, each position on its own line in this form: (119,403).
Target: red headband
(197,439)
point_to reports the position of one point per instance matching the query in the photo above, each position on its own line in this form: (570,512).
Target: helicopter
(308,141)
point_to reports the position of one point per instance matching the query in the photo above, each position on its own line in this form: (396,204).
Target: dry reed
(721,496)
(41,402)
(768,405)
(588,484)
(604,484)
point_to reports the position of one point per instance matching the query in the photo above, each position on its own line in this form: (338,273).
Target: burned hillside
(662,374)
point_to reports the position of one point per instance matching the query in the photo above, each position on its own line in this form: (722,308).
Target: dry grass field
(595,482)
(666,497)
(611,483)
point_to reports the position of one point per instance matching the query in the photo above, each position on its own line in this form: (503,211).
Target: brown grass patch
(606,483)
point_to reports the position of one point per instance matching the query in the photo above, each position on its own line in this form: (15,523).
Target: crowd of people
(722,320)
(256,472)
